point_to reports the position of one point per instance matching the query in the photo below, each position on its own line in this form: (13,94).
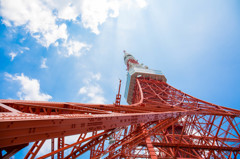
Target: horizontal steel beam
(192,146)
(24,129)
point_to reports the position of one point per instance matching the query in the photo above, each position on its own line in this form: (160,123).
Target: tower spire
(130,61)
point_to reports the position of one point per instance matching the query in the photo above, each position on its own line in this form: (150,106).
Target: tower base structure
(160,122)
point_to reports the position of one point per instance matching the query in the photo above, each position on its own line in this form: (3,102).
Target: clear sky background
(71,51)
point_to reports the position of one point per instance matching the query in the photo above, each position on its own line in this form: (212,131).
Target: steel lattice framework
(161,122)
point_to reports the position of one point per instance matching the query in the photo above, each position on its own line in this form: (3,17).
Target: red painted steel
(162,122)
(52,147)
(118,96)
(201,129)
(60,154)
(34,149)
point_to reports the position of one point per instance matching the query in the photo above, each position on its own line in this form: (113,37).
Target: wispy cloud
(13,55)
(92,91)
(22,49)
(29,88)
(43,64)
(74,48)
(6,22)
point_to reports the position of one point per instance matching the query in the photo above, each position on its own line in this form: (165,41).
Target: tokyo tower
(159,122)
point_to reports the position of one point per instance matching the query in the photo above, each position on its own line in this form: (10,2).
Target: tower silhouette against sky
(159,122)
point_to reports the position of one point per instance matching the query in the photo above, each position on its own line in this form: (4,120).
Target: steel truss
(163,122)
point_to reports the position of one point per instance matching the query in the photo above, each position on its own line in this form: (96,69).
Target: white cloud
(22,39)
(96,76)
(93,13)
(46,20)
(20,50)
(92,78)
(74,48)
(36,17)
(41,17)
(7,23)
(141,3)
(43,64)
(94,93)
(25,48)
(13,55)
(92,90)
(96,12)
(68,12)
(30,88)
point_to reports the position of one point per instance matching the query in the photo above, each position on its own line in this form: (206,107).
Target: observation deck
(136,72)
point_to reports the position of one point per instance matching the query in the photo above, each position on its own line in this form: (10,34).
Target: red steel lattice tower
(159,122)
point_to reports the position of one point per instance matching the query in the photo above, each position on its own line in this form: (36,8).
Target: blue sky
(72,50)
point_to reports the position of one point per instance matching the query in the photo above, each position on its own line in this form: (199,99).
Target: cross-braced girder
(162,122)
